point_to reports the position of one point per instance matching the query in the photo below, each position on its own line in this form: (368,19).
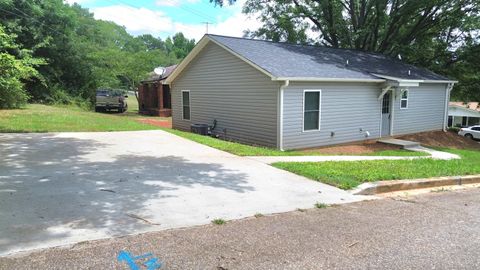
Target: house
(295,96)
(154,95)
(462,114)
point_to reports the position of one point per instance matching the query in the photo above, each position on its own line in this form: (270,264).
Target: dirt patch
(155,122)
(353,149)
(442,139)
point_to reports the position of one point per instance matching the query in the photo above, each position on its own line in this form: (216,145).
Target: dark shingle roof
(291,60)
(152,76)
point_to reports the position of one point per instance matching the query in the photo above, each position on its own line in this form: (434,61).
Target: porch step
(402,143)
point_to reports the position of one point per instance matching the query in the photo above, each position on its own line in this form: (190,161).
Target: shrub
(16,66)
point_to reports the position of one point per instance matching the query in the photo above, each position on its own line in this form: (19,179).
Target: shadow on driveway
(54,188)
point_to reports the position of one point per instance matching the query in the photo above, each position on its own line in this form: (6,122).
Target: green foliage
(83,54)
(16,65)
(349,174)
(320,205)
(441,35)
(218,221)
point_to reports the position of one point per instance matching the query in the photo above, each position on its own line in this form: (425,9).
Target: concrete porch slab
(402,143)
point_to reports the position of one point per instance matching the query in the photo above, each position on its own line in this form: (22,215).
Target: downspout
(280,114)
(447,99)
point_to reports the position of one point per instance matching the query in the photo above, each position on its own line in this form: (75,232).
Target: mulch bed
(442,139)
(353,149)
(155,122)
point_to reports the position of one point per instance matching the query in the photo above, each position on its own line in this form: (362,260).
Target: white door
(386,115)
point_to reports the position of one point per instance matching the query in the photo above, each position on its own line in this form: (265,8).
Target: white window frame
(402,99)
(189,105)
(319,109)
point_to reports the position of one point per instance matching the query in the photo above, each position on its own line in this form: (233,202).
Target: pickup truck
(107,100)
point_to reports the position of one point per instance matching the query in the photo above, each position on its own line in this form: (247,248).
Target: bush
(454,129)
(16,66)
(12,92)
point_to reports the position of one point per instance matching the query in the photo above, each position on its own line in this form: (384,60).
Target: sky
(163,18)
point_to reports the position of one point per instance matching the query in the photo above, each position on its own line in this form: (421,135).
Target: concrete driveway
(63,188)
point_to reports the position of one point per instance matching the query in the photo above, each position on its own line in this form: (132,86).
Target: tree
(82,53)
(179,45)
(16,65)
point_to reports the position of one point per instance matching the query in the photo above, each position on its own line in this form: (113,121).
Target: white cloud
(136,20)
(174,3)
(233,26)
(145,21)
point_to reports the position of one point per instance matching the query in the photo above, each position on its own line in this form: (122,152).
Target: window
(186,104)
(386,103)
(311,110)
(404,100)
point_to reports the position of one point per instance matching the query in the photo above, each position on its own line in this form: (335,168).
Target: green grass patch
(218,221)
(249,150)
(349,174)
(43,118)
(320,205)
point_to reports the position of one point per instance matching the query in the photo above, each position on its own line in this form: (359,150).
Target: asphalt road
(430,231)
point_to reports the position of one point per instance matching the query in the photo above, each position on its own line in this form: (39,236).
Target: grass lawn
(248,150)
(349,174)
(42,118)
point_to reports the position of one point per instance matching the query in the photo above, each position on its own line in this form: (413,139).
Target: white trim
(412,81)
(319,79)
(381,118)
(402,99)
(447,100)
(392,112)
(189,106)
(280,115)
(319,109)
(384,91)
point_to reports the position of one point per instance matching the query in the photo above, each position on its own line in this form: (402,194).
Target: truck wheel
(469,136)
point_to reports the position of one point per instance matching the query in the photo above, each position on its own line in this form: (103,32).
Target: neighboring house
(294,96)
(462,114)
(154,95)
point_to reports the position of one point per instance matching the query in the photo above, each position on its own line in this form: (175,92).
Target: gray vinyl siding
(345,109)
(425,112)
(223,87)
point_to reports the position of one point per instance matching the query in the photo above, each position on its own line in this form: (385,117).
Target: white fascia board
(319,79)
(195,51)
(412,81)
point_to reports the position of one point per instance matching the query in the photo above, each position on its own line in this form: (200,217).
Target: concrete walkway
(433,154)
(64,188)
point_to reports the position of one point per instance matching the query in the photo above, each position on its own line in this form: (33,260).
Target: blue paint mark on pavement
(152,263)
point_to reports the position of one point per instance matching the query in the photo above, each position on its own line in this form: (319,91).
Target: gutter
(280,114)
(447,100)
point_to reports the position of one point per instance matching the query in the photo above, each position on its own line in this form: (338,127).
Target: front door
(386,115)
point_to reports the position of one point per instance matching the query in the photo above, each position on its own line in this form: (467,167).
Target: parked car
(107,99)
(472,132)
